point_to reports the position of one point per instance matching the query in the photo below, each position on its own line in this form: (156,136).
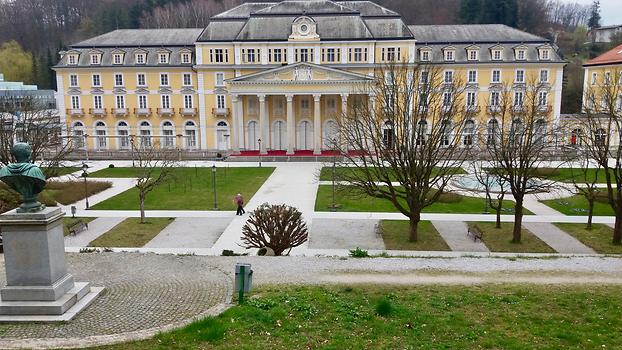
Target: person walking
(239,200)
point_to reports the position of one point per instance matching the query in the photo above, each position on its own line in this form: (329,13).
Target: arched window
(145,134)
(600,137)
(222,135)
(468,133)
(492,132)
(190,132)
(78,135)
(100,135)
(123,131)
(388,135)
(168,135)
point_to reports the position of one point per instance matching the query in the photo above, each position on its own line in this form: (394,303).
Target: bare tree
(409,140)
(28,120)
(278,227)
(602,123)
(186,14)
(153,167)
(491,185)
(519,140)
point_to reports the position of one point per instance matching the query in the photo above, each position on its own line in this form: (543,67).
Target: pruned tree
(409,139)
(492,186)
(520,139)
(602,125)
(278,227)
(585,182)
(153,166)
(30,120)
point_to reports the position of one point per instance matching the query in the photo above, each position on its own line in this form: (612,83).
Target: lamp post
(86,191)
(214,185)
(259,141)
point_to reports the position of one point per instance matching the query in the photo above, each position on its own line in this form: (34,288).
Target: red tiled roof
(612,56)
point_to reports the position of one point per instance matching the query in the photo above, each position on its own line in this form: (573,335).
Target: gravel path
(344,234)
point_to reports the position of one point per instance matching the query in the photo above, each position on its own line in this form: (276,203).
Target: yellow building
(274,76)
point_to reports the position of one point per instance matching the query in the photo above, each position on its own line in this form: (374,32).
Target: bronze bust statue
(25,178)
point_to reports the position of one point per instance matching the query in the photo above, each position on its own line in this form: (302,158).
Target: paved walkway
(294,184)
(344,234)
(557,239)
(97,228)
(190,232)
(455,234)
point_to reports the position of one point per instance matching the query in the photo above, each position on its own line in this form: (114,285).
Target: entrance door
(222,136)
(331,134)
(305,135)
(251,136)
(279,135)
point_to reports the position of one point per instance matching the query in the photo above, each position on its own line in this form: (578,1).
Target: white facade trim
(202,112)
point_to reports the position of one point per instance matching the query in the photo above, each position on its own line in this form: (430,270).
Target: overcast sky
(610,10)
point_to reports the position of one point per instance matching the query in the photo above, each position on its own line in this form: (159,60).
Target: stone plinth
(39,288)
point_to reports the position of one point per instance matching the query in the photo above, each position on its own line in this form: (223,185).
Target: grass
(192,190)
(577,205)
(598,238)
(492,316)
(500,240)
(396,233)
(67,221)
(327,172)
(349,200)
(59,171)
(130,233)
(566,174)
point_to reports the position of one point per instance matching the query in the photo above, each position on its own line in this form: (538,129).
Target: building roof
(613,56)
(336,20)
(142,38)
(470,33)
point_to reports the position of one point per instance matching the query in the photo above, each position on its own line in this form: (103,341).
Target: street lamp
(259,141)
(214,185)
(85,167)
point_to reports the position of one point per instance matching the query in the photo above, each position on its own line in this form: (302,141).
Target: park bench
(475,232)
(77,227)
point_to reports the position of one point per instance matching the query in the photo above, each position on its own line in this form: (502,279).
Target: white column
(317,125)
(344,110)
(60,106)
(235,136)
(557,103)
(263,124)
(240,116)
(291,125)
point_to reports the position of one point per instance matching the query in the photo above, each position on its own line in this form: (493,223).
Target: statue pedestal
(38,285)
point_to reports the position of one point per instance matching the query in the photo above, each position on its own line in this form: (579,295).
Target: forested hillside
(33,31)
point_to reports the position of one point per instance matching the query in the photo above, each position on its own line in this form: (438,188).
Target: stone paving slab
(455,234)
(97,228)
(344,234)
(557,239)
(190,233)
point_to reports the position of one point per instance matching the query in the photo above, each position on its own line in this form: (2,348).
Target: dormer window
(450,55)
(497,55)
(304,28)
(117,58)
(473,55)
(95,59)
(163,58)
(521,55)
(72,59)
(185,58)
(545,54)
(141,58)
(426,56)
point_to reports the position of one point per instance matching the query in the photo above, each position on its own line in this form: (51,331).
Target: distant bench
(475,232)
(77,227)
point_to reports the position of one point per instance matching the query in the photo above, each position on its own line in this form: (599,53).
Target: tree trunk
(414,223)
(518,222)
(498,223)
(142,208)
(617,229)
(590,212)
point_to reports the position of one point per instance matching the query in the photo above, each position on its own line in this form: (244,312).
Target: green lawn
(396,233)
(349,200)
(577,205)
(68,220)
(327,172)
(500,240)
(187,191)
(130,233)
(598,238)
(492,316)
(566,174)
(59,171)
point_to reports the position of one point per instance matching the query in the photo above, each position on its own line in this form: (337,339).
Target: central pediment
(302,73)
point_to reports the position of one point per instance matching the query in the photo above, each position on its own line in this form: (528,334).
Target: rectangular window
(142,101)
(220,101)
(75,102)
(140,58)
(141,80)
(219,55)
(164,79)
(185,58)
(544,76)
(118,79)
(220,79)
(392,54)
(302,55)
(117,58)
(449,77)
(518,98)
(472,55)
(471,99)
(187,79)
(275,55)
(163,58)
(425,56)
(520,76)
(447,99)
(165,101)
(250,55)
(449,55)
(358,54)
(607,77)
(594,78)
(73,59)
(95,59)
(97,102)
(425,77)
(472,77)
(520,55)
(96,80)
(495,98)
(331,55)
(496,76)
(496,55)
(542,98)
(120,101)
(546,54)
(188,101)
(73,80)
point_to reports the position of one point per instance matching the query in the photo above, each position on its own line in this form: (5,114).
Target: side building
(273,77)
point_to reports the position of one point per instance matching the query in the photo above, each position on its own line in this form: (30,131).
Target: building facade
(275,76)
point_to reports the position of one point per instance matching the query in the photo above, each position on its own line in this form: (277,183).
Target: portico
(291,108)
